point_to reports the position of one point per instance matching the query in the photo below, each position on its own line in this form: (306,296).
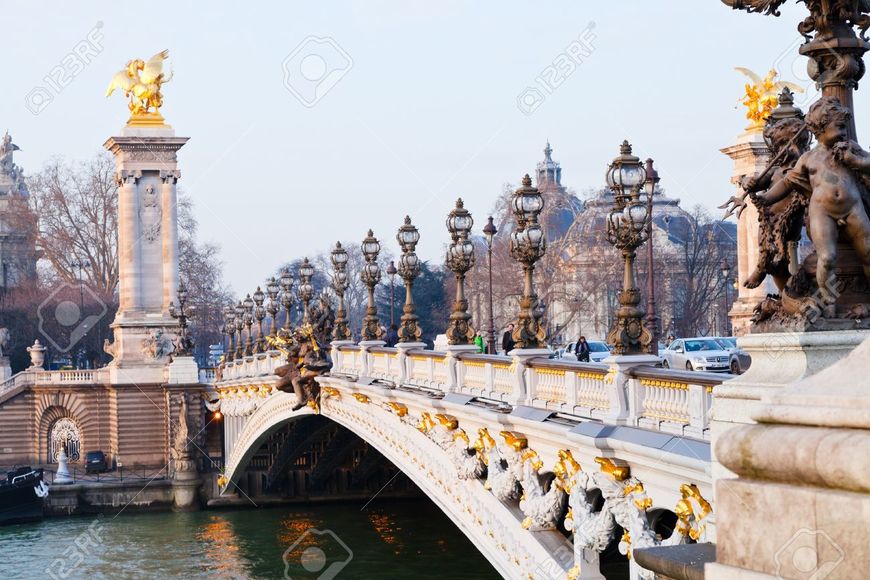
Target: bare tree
(74,219)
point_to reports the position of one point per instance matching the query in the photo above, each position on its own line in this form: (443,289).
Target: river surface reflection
(390,539)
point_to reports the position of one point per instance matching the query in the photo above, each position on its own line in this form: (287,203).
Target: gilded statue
(760,97)
(141,82)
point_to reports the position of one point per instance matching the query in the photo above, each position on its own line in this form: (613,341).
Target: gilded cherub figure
(831,175)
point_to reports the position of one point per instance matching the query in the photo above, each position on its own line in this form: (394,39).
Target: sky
(394,107)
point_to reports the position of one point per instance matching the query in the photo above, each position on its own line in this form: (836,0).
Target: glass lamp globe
(306,270)
(626,173)
(339,255)
(286,280)
(371,247)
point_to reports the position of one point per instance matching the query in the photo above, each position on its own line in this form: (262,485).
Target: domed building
(689,249)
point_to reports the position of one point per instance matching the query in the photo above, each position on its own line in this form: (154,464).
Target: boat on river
(22,495)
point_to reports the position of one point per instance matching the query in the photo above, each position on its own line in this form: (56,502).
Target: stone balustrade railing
(668,400)
(43,377)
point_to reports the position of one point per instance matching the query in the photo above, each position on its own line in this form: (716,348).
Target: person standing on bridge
(480,342)
(581,349)
(507,340)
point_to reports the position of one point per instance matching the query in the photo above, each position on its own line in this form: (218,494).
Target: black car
(95,462)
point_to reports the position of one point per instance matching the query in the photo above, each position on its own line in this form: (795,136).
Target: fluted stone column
(147,171)
(170,237)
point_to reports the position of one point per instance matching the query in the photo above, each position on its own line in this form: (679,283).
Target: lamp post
(181,315)
(286,296)
(339,284)
(409,269)
(528,245)
(230,329)
(240,325)
(259,314)
(272,288)
(248,304)
(306,290)
(370,276)
(626,230)
(725,269)
(652,321)
(391,273)
(489,232)
(460,259)
(79,265)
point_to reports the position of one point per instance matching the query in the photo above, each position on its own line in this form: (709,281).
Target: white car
(696,354)
(598,351)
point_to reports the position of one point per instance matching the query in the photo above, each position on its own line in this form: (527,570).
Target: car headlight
(699,359)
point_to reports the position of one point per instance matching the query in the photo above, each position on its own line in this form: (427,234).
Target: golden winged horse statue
(141,82)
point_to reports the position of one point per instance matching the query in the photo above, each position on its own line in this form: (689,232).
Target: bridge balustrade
(668,400)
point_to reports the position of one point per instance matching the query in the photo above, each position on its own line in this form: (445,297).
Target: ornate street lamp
(370,276)
(259,315)
(725,270)
(489,232)
(240,325)
(286,296)
(248,304)
(528,245)
(409,269)
(306,290)
(185,344)
(391,274)
(627,231)
(460,259)
(230,329)
(652,321)
(272,288)
(339,284)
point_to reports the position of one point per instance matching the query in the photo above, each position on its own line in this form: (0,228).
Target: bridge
(515,450)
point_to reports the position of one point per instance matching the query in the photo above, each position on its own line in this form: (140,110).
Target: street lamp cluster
(239,319)
(629,225)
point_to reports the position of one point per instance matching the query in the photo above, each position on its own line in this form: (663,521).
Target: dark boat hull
(19,502)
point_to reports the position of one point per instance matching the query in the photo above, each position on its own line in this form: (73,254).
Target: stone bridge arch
(494,527)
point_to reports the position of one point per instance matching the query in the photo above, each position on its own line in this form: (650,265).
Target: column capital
(170,176)
(127,177)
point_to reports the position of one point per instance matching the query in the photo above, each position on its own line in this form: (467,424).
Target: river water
(389,539)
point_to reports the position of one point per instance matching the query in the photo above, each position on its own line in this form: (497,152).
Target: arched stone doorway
(64,433)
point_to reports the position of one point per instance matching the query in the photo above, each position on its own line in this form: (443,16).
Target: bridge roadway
(505,445)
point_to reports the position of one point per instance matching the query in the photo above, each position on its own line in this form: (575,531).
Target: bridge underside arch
(494,527)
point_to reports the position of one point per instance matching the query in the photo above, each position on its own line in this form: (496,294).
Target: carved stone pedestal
(799,506)
(146,171)
(521,356)
(183,370)
(778,359)
(185,488)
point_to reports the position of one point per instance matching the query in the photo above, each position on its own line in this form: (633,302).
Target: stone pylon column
(751,156)
(147,170)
